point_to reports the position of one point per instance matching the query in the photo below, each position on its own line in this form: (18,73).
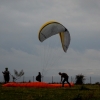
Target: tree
(80,79)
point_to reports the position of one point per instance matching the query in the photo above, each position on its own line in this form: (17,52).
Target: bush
(79,79)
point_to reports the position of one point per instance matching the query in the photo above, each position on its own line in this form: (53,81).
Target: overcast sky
(20,21)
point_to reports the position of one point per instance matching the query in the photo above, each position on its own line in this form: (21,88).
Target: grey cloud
(20,48)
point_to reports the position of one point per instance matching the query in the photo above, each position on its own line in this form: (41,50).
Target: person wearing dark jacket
(65,77)
(6,74)
(38,77)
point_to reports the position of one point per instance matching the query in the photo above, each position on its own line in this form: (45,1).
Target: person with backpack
(38,77)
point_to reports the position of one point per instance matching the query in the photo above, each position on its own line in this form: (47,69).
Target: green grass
(78,92)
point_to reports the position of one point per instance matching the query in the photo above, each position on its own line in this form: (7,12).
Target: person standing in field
(6,74)
(65,77)
(38,77)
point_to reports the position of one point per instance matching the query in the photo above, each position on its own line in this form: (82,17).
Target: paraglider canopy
(52,28)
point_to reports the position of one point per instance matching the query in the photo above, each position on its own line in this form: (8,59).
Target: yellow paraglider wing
(65,40)
(52,28)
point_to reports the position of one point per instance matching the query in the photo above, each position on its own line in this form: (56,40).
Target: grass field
(78,92)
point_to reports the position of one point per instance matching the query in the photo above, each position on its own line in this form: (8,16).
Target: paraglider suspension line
(43,35)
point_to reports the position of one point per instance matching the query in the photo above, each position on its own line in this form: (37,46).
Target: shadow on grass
(84,88)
